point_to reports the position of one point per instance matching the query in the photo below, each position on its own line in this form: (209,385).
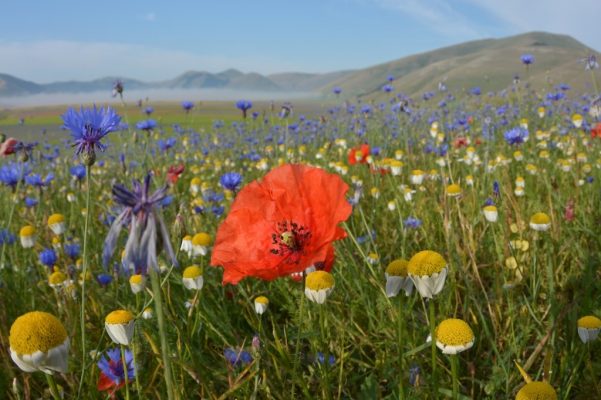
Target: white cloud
(150,17)
(52,60)
(438,15)
(577,18)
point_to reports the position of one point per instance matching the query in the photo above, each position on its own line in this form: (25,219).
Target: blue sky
(152,40)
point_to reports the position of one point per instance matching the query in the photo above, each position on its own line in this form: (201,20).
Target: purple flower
(336,90)
(88,127)
(141,212)
(230,181)
(321,359)
(148,110)
(590,62)
(516,135)
(37,181)
(527,59)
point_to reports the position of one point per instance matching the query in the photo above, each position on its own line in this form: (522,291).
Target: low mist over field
(103,97)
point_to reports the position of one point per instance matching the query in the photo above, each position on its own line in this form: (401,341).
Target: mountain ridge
(490,63)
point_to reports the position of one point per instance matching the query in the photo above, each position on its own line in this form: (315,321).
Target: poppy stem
(158,305)
(298,338)
(84,275)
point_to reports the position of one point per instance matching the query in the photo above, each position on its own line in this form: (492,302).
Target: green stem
(589,366)
(400,340)
(455,379)
(84,273)
(14,199)
(136,377)
(433,345)
(326,353)
(53,388)
(158,305)
(125,372)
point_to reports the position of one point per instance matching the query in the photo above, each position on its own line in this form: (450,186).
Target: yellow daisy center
(262,300)
(453,189)
(195,181)
(193,271)
(119,317)
(136,279)
(589,322)
(27,230)
(201,239)
(454,332)
(417,172)
(187,238)
(318,280)
(426,263)
(536,391)
(56,219)
(540,218)
(490,208)
(397,267)
(36,331)
(57,277)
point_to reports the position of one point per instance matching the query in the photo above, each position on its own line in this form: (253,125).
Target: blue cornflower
(112,371)
(230,181)
(321,359)
(72,250)
(244,106)
(12,173)
(88,127)
(37,181)
(30,202)
(141,213)
(390,78)
(78,171)
(148,110)
(527,59)
(237,358)
(336,90)
(516,135)
(48,258)
(496,189)
(165,145)
(412,223)
(387,88)
(590,62)
(476,91)
(218,210)
(187,105)
(104,279)
(6,237)
(146,125)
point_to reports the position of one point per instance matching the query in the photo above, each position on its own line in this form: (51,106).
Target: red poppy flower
(326,265)
(358,154)
(460,141)
(174,172)
(596,131)
(8,146)
(282,224)
(107,384)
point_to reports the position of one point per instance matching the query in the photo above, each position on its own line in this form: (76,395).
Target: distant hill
(489,63)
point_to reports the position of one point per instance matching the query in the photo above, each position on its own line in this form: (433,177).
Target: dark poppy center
(290,238)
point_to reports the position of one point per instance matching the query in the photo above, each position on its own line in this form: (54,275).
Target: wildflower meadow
(442,246)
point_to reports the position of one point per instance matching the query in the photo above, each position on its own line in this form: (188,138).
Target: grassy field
(520,290)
